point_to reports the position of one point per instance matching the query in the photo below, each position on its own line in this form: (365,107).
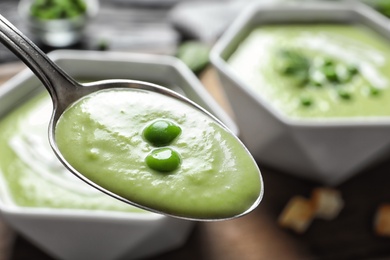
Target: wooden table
(257,235)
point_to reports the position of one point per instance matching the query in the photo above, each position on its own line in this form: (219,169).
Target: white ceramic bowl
(86,234)
(328,151)
(57,32)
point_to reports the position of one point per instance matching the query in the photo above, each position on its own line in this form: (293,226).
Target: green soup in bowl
(321,70)
(33,175)
(309,86)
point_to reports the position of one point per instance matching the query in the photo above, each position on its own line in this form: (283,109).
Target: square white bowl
(86,234)
(328,151)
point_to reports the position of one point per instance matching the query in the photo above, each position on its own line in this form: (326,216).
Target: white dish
(328,151)
(86,234)
(57,32)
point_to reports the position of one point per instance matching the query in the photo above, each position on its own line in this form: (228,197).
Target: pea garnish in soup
(312,71)
(158,152)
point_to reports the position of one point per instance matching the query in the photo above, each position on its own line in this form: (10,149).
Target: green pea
(353,69)
(328,62)
(163,159)
(374,91)
(161,132)
(344,94)
(306,100)
(330,73)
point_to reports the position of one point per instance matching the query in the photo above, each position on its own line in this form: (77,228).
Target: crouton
(297,215)
(382,220)
(327,203)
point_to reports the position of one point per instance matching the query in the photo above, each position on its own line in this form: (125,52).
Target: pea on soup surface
(106,137)
(30,173)
(317,70)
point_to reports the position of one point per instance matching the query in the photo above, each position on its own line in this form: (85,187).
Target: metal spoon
(64,90)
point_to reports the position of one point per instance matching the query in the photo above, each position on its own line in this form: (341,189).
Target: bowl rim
(8,207)
(156,59)
(244,18)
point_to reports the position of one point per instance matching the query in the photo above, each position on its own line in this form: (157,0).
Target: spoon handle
(56,81)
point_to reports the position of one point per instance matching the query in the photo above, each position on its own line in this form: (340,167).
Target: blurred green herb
(306,100)
(194,54)
(344,94)
(57,9)
(382,6)
(292,62)
(318,72)
(103,45)
(374,91)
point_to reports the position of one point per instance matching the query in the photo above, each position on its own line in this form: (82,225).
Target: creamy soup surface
(30,173)
(317,70)
(159,152)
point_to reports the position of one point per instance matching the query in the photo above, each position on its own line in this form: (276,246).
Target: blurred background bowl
(67,233)
(328,151)
(60,32)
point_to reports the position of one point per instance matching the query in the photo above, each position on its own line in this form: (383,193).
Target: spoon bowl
(64,91)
